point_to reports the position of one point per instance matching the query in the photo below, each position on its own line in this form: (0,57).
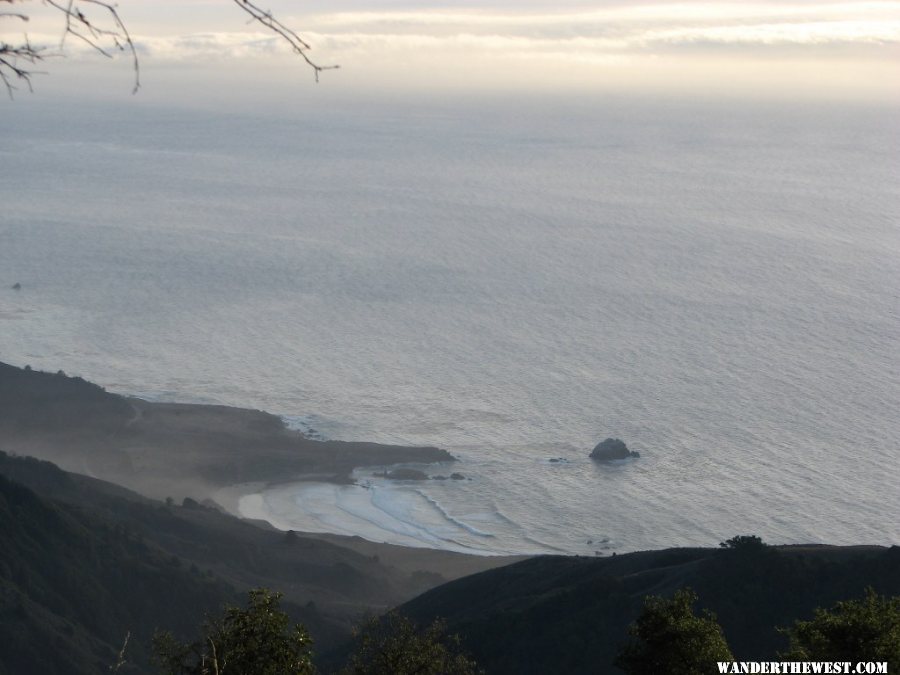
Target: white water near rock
(715,284)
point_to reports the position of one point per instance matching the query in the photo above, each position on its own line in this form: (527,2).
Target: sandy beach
(398,514)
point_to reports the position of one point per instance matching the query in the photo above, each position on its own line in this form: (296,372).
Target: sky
(844,49)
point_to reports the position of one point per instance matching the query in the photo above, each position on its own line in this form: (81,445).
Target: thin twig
(115,36)
(298,44)
(78,25)
(10,55)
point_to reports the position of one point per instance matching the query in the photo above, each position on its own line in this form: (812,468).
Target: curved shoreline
(383,511)
(351,509)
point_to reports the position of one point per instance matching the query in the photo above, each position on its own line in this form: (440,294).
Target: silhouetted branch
(10,70)
(16,59)
(110,35)
(299,46)
(12,55)
(95,35)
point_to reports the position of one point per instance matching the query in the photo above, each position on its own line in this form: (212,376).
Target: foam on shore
(393,512)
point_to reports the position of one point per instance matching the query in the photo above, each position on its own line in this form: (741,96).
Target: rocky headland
(173,449)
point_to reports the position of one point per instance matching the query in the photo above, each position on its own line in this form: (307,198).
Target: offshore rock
(612,448)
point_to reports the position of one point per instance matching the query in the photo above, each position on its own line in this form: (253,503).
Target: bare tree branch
(16,60)
(10,55)
(299,46)
(95,35)
(10,58)
(106,37)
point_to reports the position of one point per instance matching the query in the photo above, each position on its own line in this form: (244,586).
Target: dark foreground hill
(83,561)
(570,615)
(73,586)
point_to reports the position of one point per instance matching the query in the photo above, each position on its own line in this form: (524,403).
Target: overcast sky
(841,48)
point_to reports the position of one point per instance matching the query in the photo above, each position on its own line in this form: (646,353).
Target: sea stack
(612,448)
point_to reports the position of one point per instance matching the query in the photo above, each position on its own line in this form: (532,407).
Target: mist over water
(717,285)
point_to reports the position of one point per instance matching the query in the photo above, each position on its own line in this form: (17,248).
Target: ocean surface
(714,283)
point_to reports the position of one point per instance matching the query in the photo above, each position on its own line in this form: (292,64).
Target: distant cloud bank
(603,43)
(614,30)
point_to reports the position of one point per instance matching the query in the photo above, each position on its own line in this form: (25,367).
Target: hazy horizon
(763,50)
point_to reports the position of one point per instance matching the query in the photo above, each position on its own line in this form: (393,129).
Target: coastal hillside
(570,614)
(157,467)
(170,449)
(66,536)
(73,586)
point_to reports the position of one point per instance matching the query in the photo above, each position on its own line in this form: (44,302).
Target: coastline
(239,460)
(175,450)
(395,514)
(374,508)
(215,455)
(235,458)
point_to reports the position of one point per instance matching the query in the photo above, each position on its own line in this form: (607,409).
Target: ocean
(714,282)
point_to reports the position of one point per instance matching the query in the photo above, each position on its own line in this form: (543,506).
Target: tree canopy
(743,542)
(670,639)
(394,645)
(867,629)
(258,639)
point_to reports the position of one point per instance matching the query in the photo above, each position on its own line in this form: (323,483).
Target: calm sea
(716,284)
